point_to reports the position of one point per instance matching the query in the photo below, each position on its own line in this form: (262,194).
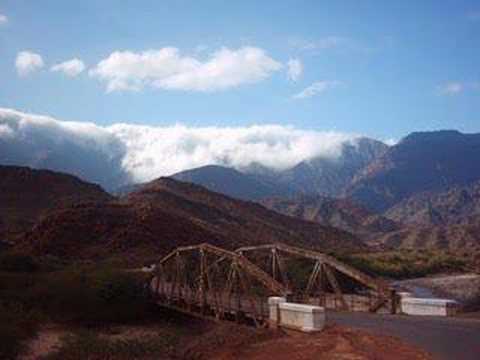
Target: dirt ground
(335,342)
(45,342)
(230,341)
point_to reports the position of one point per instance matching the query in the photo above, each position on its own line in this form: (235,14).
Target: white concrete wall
(307,318)
(428,307)
(274,310)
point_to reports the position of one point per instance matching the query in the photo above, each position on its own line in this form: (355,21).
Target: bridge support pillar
(274,310)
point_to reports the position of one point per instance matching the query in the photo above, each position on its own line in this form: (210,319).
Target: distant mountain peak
(231,182)
(422,161)
(436,135)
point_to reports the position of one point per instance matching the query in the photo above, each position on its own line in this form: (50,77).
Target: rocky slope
(456,237)
(330,177)
(430,161)
(231,182)
(341,213)
(167,213)
(456,205)
(26,195)
(456,231)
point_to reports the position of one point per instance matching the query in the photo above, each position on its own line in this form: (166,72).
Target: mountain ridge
(424,161)
(166,213)
(26,194)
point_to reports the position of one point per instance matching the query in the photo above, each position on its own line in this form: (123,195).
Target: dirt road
(444,338)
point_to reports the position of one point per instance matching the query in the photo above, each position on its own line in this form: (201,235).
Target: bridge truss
(314,277)
(212,282)
(208,281)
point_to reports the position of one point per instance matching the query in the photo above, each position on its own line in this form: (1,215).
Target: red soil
(335,342)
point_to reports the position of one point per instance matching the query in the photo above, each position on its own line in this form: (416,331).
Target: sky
(377,68)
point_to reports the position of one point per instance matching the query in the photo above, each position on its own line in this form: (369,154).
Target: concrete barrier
(274,310)
(404,294)
(431,307)
(306,318)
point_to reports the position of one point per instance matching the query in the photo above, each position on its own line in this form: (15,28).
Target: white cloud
(391,141)
(295,69)
(5,131)
(147,152)
(317,88)
(452,88)
(71,68)
(28,62)
(83,149)
(3,19)
(167,69)
(457,87)
(155,151)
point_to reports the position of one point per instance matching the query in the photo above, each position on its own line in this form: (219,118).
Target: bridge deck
(218,305)
(223,305)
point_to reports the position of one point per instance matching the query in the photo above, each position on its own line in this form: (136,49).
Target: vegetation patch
(82,296)
(17,324)
(90,345)
(406,264)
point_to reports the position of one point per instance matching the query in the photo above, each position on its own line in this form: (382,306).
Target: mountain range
(326,176)
(422,192)
(72,219)
(427,161)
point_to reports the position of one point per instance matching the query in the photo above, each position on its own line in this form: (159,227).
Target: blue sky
(379,68)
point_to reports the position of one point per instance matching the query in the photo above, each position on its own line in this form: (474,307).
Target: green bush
(406,264)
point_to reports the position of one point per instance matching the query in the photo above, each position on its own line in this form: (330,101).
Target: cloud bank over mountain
(121,153)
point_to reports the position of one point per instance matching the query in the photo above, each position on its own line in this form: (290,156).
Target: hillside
(330,177)
(428,161)
(456,205)
(457,231)
(26,195)
(317,176)
(167,213)
(341,213)
(246,221)
(231,182)
(463,238)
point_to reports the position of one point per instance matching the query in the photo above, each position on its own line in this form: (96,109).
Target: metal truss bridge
(208,281)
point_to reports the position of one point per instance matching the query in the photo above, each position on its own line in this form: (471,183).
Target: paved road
(444,338)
